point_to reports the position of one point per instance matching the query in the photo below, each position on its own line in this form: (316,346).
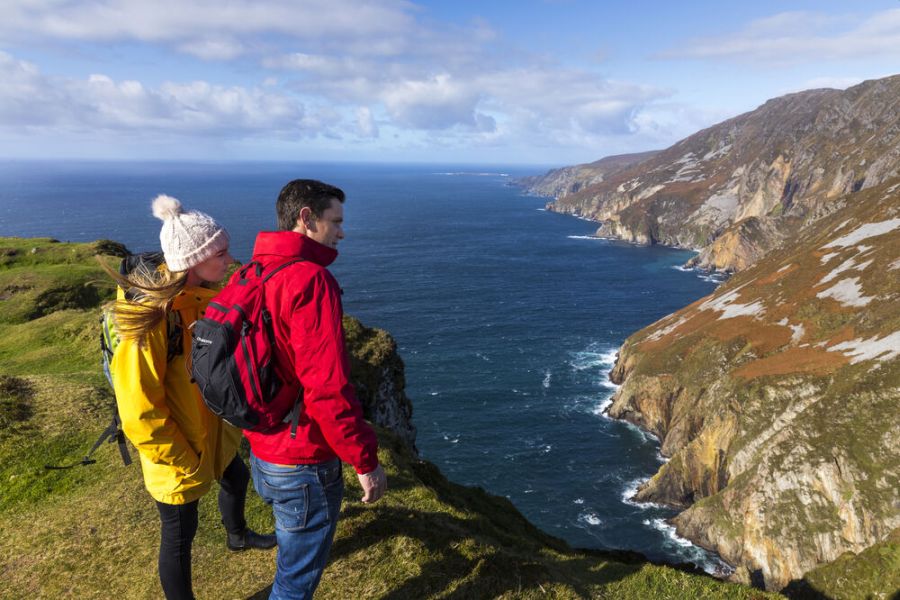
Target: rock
(377,372)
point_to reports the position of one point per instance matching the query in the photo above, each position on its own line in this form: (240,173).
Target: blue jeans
(306,501)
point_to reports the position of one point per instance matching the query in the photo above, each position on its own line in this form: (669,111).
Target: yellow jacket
(183,446)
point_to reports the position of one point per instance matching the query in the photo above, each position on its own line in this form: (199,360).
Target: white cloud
(198,20)
(319,62)
(30,100)
(213,49)
(365,123)
(802,36)
(435,103)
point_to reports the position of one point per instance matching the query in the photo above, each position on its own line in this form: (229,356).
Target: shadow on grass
(467,558)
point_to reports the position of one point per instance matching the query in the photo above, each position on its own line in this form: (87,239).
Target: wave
(631,489)
(593,357)
(704,559)
(648,436)
(600,409)
(590,518)
(709,276)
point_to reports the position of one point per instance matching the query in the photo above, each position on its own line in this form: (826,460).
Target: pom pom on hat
(187,237)
(166,207)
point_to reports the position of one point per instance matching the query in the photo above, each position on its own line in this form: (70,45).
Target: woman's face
(212,269)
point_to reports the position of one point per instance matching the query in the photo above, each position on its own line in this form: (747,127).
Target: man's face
(328,229)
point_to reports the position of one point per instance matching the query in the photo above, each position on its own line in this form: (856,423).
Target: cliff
(93,532)
(777,398)
(738,189)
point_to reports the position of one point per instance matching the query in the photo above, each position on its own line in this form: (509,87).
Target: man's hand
(373,484)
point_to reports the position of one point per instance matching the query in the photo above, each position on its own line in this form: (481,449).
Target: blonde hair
(149,291)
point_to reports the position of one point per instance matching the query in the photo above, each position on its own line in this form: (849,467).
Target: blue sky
(549,82)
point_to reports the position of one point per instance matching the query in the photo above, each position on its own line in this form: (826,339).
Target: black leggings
(179,525)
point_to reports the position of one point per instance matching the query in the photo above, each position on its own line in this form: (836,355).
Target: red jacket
(305,303)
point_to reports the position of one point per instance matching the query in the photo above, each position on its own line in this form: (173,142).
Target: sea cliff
(740,188)
(776,398)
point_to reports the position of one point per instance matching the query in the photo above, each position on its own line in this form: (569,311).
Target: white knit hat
(187,237)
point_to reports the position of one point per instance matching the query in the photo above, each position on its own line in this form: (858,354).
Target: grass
(92,531)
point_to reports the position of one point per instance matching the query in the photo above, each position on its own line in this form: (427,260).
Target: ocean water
(508,317)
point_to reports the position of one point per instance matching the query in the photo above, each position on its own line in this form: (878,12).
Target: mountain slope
(738,189)
(778,397)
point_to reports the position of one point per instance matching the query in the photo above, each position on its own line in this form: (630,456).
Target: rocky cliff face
(378,374)
(739,188)
(777,398)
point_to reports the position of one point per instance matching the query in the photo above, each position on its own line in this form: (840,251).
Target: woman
(182,445)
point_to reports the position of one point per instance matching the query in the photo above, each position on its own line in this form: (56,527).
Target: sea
(508,317)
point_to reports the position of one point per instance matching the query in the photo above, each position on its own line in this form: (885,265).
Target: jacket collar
(290,244)
(192,297)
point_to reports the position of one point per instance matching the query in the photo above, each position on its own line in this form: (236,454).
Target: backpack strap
(112,433)
(293,417)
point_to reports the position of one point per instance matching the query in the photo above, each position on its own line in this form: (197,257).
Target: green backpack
(109,341)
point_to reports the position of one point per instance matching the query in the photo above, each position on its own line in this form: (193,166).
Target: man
(300,477)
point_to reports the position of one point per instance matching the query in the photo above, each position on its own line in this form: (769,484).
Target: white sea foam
(585,237)
(604,405)
(591,518)
(648,436)
(705,560)
(593,357)
(546,381)
(631,489)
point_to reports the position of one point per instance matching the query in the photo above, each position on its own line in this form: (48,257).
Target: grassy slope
(93,531)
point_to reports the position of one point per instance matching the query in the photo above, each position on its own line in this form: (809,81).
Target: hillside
(738,189)
(92,531)
(777,399)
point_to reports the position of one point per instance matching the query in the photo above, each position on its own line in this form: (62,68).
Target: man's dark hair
(304,192)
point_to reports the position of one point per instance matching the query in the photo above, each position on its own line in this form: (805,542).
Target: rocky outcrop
(777,398)
(378,374)
(737,189)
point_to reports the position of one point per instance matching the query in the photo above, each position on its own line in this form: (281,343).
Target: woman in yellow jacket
(183,446)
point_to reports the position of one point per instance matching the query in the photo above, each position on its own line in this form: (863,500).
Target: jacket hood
(290,244)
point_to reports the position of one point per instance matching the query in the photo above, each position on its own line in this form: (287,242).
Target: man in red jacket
(300,477)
